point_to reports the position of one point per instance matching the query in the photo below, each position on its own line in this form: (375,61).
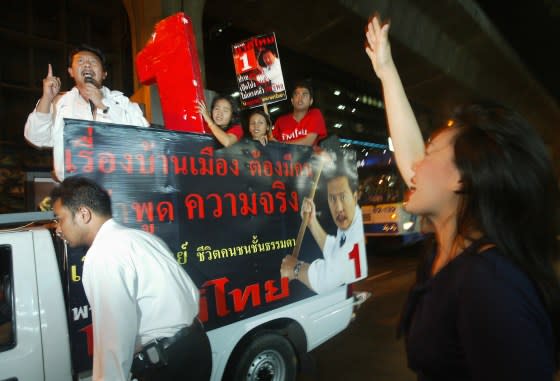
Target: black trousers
(188,359)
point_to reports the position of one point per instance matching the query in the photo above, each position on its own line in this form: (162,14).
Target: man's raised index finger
(49,73)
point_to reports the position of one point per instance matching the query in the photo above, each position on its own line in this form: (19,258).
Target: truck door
(21,353)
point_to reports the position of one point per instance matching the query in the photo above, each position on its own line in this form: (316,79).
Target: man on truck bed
(305,125)
(88,100)
(144,305)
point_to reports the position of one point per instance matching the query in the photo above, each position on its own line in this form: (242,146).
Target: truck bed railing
(15,219)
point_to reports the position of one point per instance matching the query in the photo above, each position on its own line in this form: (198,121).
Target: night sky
(532,28)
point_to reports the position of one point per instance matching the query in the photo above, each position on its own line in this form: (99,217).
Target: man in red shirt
(304,125)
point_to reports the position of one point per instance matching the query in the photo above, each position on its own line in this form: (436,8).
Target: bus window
(382,196)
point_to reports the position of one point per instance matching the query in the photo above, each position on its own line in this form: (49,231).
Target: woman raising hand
(223,121)
(486,303)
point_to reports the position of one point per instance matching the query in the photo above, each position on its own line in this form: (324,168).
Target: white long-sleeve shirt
(137,292)
(341,264)
(46,129)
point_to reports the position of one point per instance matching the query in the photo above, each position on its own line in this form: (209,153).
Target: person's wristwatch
(297,267)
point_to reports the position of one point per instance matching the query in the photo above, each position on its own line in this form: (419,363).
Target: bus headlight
(408,225)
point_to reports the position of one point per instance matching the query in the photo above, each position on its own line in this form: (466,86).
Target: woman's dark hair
(76,191)
(510,193)
(234,109)
(264,115)
(87,48)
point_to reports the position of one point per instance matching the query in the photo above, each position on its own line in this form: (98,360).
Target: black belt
(183,332)
(153,353)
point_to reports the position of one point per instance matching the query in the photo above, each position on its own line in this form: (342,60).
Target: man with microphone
(88,100)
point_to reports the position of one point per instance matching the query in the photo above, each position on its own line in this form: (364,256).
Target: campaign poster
(258,71)
(230,216)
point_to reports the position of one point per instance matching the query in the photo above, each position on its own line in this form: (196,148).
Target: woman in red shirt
(223,121)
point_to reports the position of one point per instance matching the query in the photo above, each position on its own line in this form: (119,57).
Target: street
(368,348)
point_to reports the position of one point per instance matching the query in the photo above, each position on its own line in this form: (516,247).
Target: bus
(382,196)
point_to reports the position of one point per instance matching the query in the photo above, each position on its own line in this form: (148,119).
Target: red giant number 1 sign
(170,60)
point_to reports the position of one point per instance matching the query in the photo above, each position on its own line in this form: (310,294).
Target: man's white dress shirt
(45,129)
(137,292)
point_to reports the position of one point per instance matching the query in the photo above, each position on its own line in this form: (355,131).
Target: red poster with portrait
(258,70)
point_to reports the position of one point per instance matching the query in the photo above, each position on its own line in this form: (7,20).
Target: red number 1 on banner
(245,61)
(354,255)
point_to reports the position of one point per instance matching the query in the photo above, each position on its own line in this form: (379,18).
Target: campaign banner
(258,71)
(228,215)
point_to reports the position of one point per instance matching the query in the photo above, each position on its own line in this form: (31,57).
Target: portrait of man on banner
(271,71)
(340,239)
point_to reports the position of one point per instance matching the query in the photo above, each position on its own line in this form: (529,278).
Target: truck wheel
(268,357)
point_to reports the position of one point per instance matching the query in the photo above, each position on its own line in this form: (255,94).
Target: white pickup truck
(34,335)
(176,185)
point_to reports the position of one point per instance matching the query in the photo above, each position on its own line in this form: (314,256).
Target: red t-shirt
(236,130)
(287,128)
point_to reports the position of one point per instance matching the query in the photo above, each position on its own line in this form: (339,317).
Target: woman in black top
(487,298)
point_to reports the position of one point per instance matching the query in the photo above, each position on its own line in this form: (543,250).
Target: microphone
(89,79)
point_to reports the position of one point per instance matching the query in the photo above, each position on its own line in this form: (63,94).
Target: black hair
(77,191)
(263,114)
(303,84)
(87,48)
(234,109)
(510,193)
(343,166)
